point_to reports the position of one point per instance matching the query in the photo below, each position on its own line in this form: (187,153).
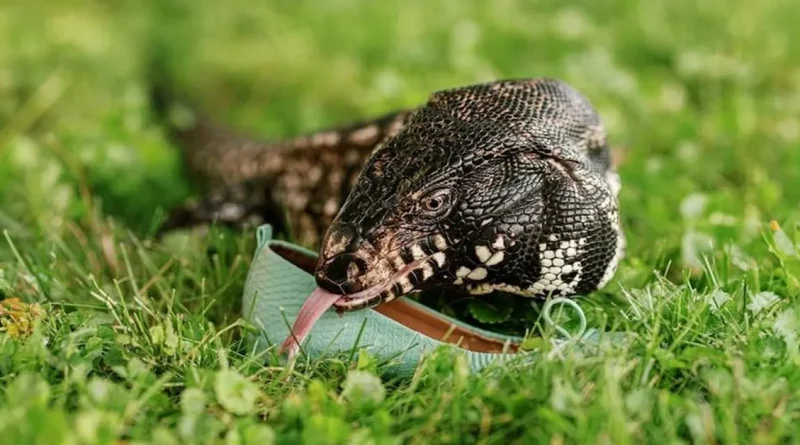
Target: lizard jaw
(396,286)
(321,300)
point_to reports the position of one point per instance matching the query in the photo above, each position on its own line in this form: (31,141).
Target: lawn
(110,336)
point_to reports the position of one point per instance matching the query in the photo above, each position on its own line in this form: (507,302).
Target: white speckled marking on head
(417,252)
(463,272)
(614,183)
(439,257)
(515,290)
(440,242)
(499,243)
(398,262)
(478,273)
(495,259)
(619,252)
(336,244)
(427,271)
(483,253)
(557,262)
(405,284)
(480,288)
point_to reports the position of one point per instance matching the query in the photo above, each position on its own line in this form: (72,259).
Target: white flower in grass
(693,205)
(762,300)
(785,326)
(782,241)
(362,386)
(739,258)
(694,246)
(717,298)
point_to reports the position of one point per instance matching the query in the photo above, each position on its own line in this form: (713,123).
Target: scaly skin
(503,186)
(297,185)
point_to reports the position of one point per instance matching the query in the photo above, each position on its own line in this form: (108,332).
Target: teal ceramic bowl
(280,280)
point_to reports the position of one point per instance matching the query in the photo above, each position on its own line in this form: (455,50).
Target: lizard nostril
(344,267)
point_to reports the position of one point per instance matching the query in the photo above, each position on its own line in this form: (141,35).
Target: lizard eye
(435,203)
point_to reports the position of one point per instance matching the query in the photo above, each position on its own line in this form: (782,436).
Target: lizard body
(506,186)
(297,185)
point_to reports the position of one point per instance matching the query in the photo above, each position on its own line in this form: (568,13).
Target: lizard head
(500,186)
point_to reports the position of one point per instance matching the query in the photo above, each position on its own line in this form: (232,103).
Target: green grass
(141,339)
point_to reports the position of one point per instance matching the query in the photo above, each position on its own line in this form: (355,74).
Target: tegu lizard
(506,185)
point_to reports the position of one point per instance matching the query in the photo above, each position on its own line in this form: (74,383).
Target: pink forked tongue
(317,303)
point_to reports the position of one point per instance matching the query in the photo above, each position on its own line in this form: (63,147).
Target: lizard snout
(340,273)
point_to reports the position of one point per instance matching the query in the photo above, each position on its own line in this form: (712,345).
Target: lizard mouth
(399,310)
(397,285)
(321,300)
